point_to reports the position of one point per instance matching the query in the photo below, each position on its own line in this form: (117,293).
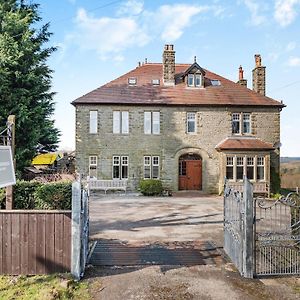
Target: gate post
(248,243)
(76,231)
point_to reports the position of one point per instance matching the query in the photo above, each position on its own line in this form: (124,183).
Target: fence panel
(35,242)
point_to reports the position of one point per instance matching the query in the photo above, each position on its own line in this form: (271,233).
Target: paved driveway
(183,217)
(131,227)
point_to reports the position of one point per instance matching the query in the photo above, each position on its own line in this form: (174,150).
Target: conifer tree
(25,79)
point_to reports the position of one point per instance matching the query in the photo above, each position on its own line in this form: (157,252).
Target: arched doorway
(190,172)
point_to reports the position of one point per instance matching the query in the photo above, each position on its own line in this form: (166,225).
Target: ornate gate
(277,236)
(262,236)
(238,227)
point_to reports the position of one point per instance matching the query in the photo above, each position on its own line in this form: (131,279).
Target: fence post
(76,230)
(248,243)
(11,121)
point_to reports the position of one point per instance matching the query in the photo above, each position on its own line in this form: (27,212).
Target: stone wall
(213,125)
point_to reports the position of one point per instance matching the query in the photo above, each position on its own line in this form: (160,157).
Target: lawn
(43,287)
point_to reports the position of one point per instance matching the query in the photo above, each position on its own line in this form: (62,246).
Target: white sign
(7,171)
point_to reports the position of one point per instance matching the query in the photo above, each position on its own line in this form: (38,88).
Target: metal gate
(277,236)
(262,236)
(238,227)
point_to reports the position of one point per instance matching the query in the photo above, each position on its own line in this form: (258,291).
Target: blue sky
(100,40)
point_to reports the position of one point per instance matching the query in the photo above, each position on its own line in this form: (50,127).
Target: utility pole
(11,121)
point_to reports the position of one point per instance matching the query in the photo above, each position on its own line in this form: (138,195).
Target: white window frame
(236,117)
(120,163)
(119,119)
(259,165)
(93,164)
(255,164)
(93,121)
(250,162)
(230,164)
(188,119)
(153,121)
(193,77)
(240,118)
(151,164)
(246,121)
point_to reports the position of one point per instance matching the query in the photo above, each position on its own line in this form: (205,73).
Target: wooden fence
(35,241)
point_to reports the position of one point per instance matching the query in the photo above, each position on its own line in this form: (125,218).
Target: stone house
(182,124)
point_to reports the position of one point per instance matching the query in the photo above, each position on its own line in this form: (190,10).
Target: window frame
(93,122)
(193,77)
(258,161)
(119,125)
(230,165)
(120,165)
(151,165)
(263,166)
(189,120)
(241,121)
(152,122)
(93,166)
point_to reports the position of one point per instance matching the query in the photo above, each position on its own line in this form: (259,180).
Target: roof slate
(119,91)
(244,143)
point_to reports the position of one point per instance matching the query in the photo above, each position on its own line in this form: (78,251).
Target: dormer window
(194,80)
(132,81)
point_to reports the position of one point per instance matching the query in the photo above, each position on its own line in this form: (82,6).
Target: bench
(258,187)
(105,185)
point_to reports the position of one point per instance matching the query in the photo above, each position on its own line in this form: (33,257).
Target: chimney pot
(146,60)
(241,73)
(257,60)
(242,81)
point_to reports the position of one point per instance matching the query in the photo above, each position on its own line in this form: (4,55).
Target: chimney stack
(242,81)
(169,65)
(259,76)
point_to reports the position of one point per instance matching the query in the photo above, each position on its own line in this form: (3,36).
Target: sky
(98,41)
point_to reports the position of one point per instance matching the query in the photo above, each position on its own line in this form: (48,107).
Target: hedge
(35,195)
(151,187)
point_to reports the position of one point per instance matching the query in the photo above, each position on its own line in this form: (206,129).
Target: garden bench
(105,185)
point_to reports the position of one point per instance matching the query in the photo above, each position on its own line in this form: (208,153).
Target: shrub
(35,195)
(24,197)
(150,187)
(2,198)
(275,181)
(56,195)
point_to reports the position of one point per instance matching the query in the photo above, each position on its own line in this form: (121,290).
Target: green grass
(42,287)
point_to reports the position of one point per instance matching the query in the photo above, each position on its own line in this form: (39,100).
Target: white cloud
(135,26)
(291,46)
(285,11)
(131,7)
(255,9)
(173,19)
(294,61)
(107,35)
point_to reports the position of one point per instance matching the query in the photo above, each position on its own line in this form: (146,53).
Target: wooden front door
(190,177)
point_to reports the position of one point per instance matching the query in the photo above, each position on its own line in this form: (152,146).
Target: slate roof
(244,143)
(144,92)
